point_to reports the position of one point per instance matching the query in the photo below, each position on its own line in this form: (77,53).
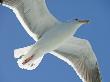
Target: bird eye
(76,19)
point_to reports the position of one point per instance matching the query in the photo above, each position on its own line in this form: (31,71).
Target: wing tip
(94,74)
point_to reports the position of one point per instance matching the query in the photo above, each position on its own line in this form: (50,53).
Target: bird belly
(54,38)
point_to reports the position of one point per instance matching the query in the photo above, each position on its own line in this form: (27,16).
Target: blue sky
(52,69)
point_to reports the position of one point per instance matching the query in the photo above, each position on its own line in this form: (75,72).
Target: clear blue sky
(12,36)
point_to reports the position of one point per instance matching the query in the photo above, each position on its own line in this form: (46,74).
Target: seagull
(55,37)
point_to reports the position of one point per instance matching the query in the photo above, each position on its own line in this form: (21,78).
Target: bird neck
(75,26)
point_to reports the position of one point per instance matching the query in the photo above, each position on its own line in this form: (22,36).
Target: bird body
(55,37)
(52,36)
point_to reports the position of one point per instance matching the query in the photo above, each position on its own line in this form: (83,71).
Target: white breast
(55,37)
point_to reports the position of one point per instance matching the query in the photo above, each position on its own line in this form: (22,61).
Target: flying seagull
(52,36)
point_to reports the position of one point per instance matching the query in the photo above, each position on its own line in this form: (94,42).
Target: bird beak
(82,21)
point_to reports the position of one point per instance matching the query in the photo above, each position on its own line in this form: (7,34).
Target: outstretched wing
(33,15)
(79,54)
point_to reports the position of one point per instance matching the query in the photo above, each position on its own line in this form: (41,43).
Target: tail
(27,61)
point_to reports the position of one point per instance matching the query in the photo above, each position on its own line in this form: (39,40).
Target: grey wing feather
(81,57)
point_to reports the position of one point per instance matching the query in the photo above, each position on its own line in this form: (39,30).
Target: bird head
(81,21)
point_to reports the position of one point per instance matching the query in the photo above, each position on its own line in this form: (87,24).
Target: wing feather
(34,13)
(81,57)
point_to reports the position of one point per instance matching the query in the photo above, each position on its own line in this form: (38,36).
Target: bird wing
(33,15)
(79,54)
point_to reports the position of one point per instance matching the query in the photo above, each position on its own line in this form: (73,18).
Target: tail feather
(22,51)
(32,64)
(25,60)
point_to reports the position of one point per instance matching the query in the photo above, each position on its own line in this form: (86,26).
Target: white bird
(52,36)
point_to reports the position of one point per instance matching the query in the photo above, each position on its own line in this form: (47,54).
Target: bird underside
(51,33)
(84,62)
